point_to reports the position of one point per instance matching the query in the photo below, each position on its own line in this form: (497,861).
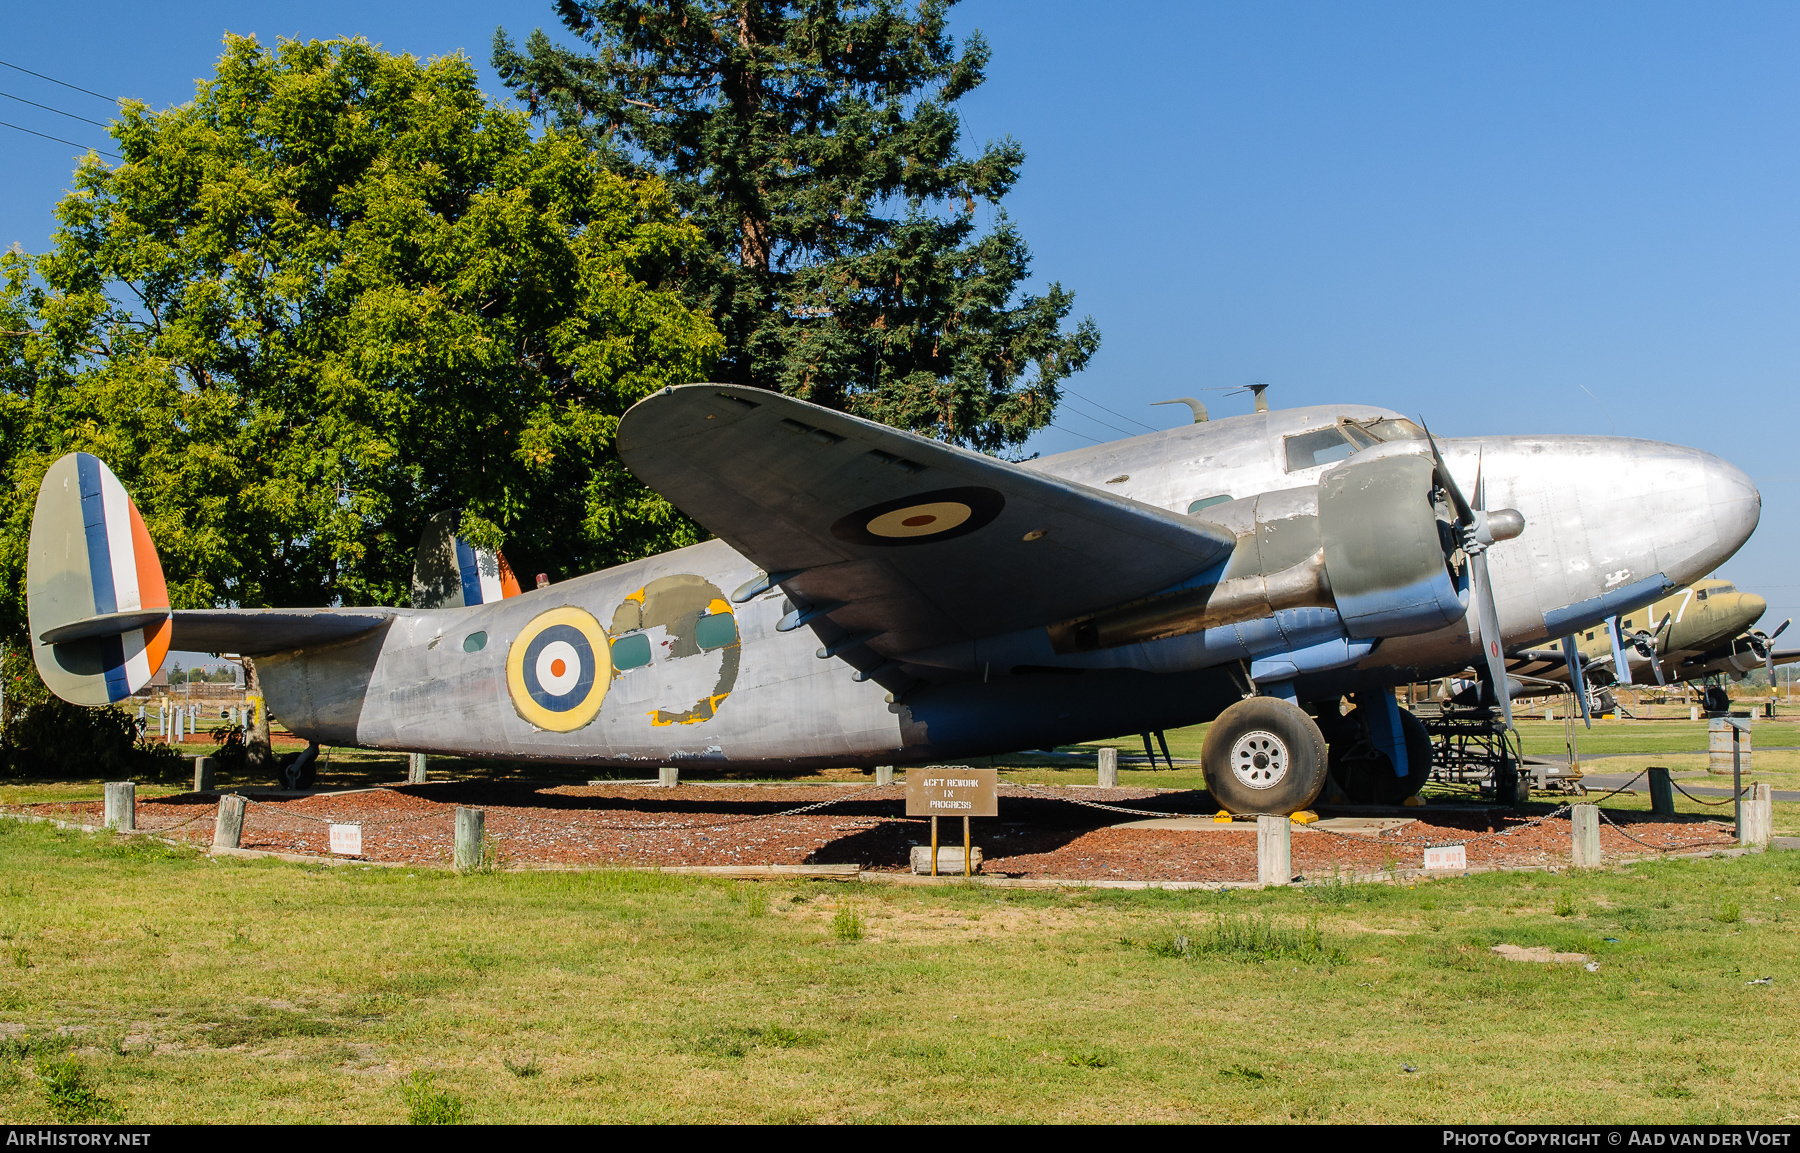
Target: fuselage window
(1208,502)
(632,652)
(716,631)
(474,642)
(1311,449)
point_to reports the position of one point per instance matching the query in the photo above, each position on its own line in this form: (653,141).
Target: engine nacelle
(1387,548)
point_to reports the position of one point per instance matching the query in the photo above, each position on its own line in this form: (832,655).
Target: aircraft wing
(920,543)
(1734,659)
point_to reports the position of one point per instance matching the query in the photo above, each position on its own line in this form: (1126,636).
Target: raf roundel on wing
(929,516)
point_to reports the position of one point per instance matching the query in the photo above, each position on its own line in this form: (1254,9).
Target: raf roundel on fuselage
(558,669)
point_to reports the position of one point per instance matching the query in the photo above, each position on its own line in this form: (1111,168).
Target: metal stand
(1737,781)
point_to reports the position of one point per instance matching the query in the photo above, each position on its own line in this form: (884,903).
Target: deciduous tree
(337,292)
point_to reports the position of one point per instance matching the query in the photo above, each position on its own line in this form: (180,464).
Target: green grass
(168,987)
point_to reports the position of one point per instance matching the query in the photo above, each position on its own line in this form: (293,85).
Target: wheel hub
(1259,759)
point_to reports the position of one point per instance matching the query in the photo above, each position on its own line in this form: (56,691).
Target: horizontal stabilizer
(110,625)
(257,632)
(917,542)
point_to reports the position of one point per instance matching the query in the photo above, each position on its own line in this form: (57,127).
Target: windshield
(1310,449)
(1369,433)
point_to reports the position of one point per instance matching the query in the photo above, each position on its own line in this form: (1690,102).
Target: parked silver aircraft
(876,597)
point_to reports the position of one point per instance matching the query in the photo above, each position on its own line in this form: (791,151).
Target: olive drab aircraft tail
(877,597)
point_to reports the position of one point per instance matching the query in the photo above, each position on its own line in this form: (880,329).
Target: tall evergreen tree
(815,143)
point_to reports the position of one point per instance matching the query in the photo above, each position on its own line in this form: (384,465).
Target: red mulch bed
(1037,834)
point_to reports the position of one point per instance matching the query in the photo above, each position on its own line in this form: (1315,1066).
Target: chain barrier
(807,808)
(1445,842)
(1666,848)
(1424,842)
(1713,804)
(435,814)
(730,821)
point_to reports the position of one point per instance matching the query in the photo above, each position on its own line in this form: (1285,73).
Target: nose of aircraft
(1697,508)
(1737,506)
(1747,609)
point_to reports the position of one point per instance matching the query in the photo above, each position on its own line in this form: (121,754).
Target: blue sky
(1506,218)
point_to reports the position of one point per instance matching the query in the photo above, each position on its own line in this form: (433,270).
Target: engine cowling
(1388,548)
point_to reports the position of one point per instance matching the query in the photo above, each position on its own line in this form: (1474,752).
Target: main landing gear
(1360,769)
(1264,755)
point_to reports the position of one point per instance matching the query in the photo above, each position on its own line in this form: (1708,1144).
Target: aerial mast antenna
(1192,402)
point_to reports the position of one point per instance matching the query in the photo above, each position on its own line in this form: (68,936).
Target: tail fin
(450,573)
(94,589)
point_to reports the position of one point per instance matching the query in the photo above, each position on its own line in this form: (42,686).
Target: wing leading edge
(897,542)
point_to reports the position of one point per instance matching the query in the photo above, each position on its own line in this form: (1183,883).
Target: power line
(1102,423)
(1118,414)
(1072,432)
(60,140)
(58,111)
(64,83)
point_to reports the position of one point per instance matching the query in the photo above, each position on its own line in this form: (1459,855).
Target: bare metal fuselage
(1610,523)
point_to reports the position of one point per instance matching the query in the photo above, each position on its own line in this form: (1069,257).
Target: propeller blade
(1621,669)
(1577,682)
(1464,514)
(1489,620)
(1481,587)
(1781,628)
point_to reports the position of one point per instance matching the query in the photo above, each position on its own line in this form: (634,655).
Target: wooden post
(934,844)
(668,776)
(1109,768)
(1584,826)
(228,829)
(884,774)
(966,869)
(1759,816)
(1662,792)
(415,768)
(1274,850)
(469,826)
(203,774)
(121,805)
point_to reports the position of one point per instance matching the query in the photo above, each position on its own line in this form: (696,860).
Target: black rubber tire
(1716,699)
(1299,743)
(1371,780)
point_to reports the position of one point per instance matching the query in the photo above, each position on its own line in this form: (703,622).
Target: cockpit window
(1311,449)
(1724,589)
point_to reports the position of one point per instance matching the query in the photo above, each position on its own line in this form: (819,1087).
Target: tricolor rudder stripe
(486,577)
(94,581)
(450,573)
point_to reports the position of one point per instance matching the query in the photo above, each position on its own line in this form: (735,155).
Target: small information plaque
(346,840)
(1446,857)
(938,791)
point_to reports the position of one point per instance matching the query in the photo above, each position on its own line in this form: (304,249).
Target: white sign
(346,840)
(1445,857)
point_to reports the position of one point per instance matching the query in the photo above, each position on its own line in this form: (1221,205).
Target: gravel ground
(1040,834)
